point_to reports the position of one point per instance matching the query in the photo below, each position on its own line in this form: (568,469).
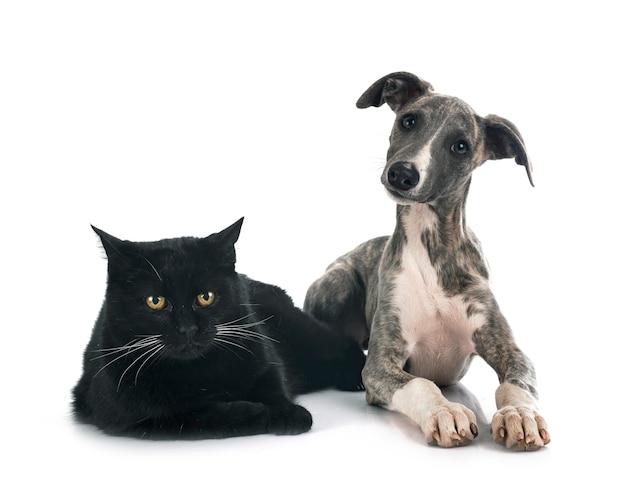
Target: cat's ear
(121,254)
(225,241)
(110,244)
(229,235)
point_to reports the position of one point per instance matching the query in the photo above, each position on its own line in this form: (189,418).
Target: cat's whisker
(155,354)
(242,330)
(235,333)
(246,325)
(128,348)
(234,344)
(123,351)
(152,350)
(238,319)
(227,349)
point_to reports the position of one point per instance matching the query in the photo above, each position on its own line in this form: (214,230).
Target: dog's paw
(520,429)
(450,425)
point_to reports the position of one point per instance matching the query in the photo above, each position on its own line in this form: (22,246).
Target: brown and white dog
(419,301)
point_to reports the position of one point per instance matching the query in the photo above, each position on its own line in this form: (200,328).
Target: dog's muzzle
(403,176)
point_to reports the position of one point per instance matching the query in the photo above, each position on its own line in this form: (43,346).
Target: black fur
(190,371)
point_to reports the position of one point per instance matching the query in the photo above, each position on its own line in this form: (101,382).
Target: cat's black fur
(184,370)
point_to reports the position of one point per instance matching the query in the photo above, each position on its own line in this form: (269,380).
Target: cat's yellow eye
(205,299)
(156,302)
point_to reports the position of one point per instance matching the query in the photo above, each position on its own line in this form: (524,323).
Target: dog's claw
(450,425)
(519,429)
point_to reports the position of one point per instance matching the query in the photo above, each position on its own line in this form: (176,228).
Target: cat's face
(173,296)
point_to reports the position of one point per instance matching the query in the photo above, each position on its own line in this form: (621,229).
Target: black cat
(185,347)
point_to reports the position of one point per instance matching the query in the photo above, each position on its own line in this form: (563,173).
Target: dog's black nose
(403,176)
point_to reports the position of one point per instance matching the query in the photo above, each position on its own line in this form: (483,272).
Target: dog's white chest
(436,327)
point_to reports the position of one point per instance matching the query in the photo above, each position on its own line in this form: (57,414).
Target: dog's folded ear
(395,90)
(503,140)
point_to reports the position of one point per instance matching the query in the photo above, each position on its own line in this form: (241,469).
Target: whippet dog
(419,301)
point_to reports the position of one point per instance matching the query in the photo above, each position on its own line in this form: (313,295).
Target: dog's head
(437,140)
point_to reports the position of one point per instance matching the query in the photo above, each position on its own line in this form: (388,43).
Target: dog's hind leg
(336,299)
(345,296)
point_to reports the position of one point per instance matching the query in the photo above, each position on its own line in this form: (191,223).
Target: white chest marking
(436,327)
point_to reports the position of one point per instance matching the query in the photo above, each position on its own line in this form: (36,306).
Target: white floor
(348,438)
(159,119)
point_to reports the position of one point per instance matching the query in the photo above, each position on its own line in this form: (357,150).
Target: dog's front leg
(517,423)
(443,423)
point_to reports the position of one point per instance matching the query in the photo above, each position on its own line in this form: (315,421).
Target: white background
(159,119)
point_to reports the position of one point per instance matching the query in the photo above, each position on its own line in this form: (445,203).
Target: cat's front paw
(289,420)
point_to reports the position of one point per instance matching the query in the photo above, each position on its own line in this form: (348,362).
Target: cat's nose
(188,329)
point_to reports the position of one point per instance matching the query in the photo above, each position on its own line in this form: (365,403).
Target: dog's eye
(408,121)
(460,148)
(156,302)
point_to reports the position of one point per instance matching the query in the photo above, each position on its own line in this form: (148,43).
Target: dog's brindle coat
(419,301)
